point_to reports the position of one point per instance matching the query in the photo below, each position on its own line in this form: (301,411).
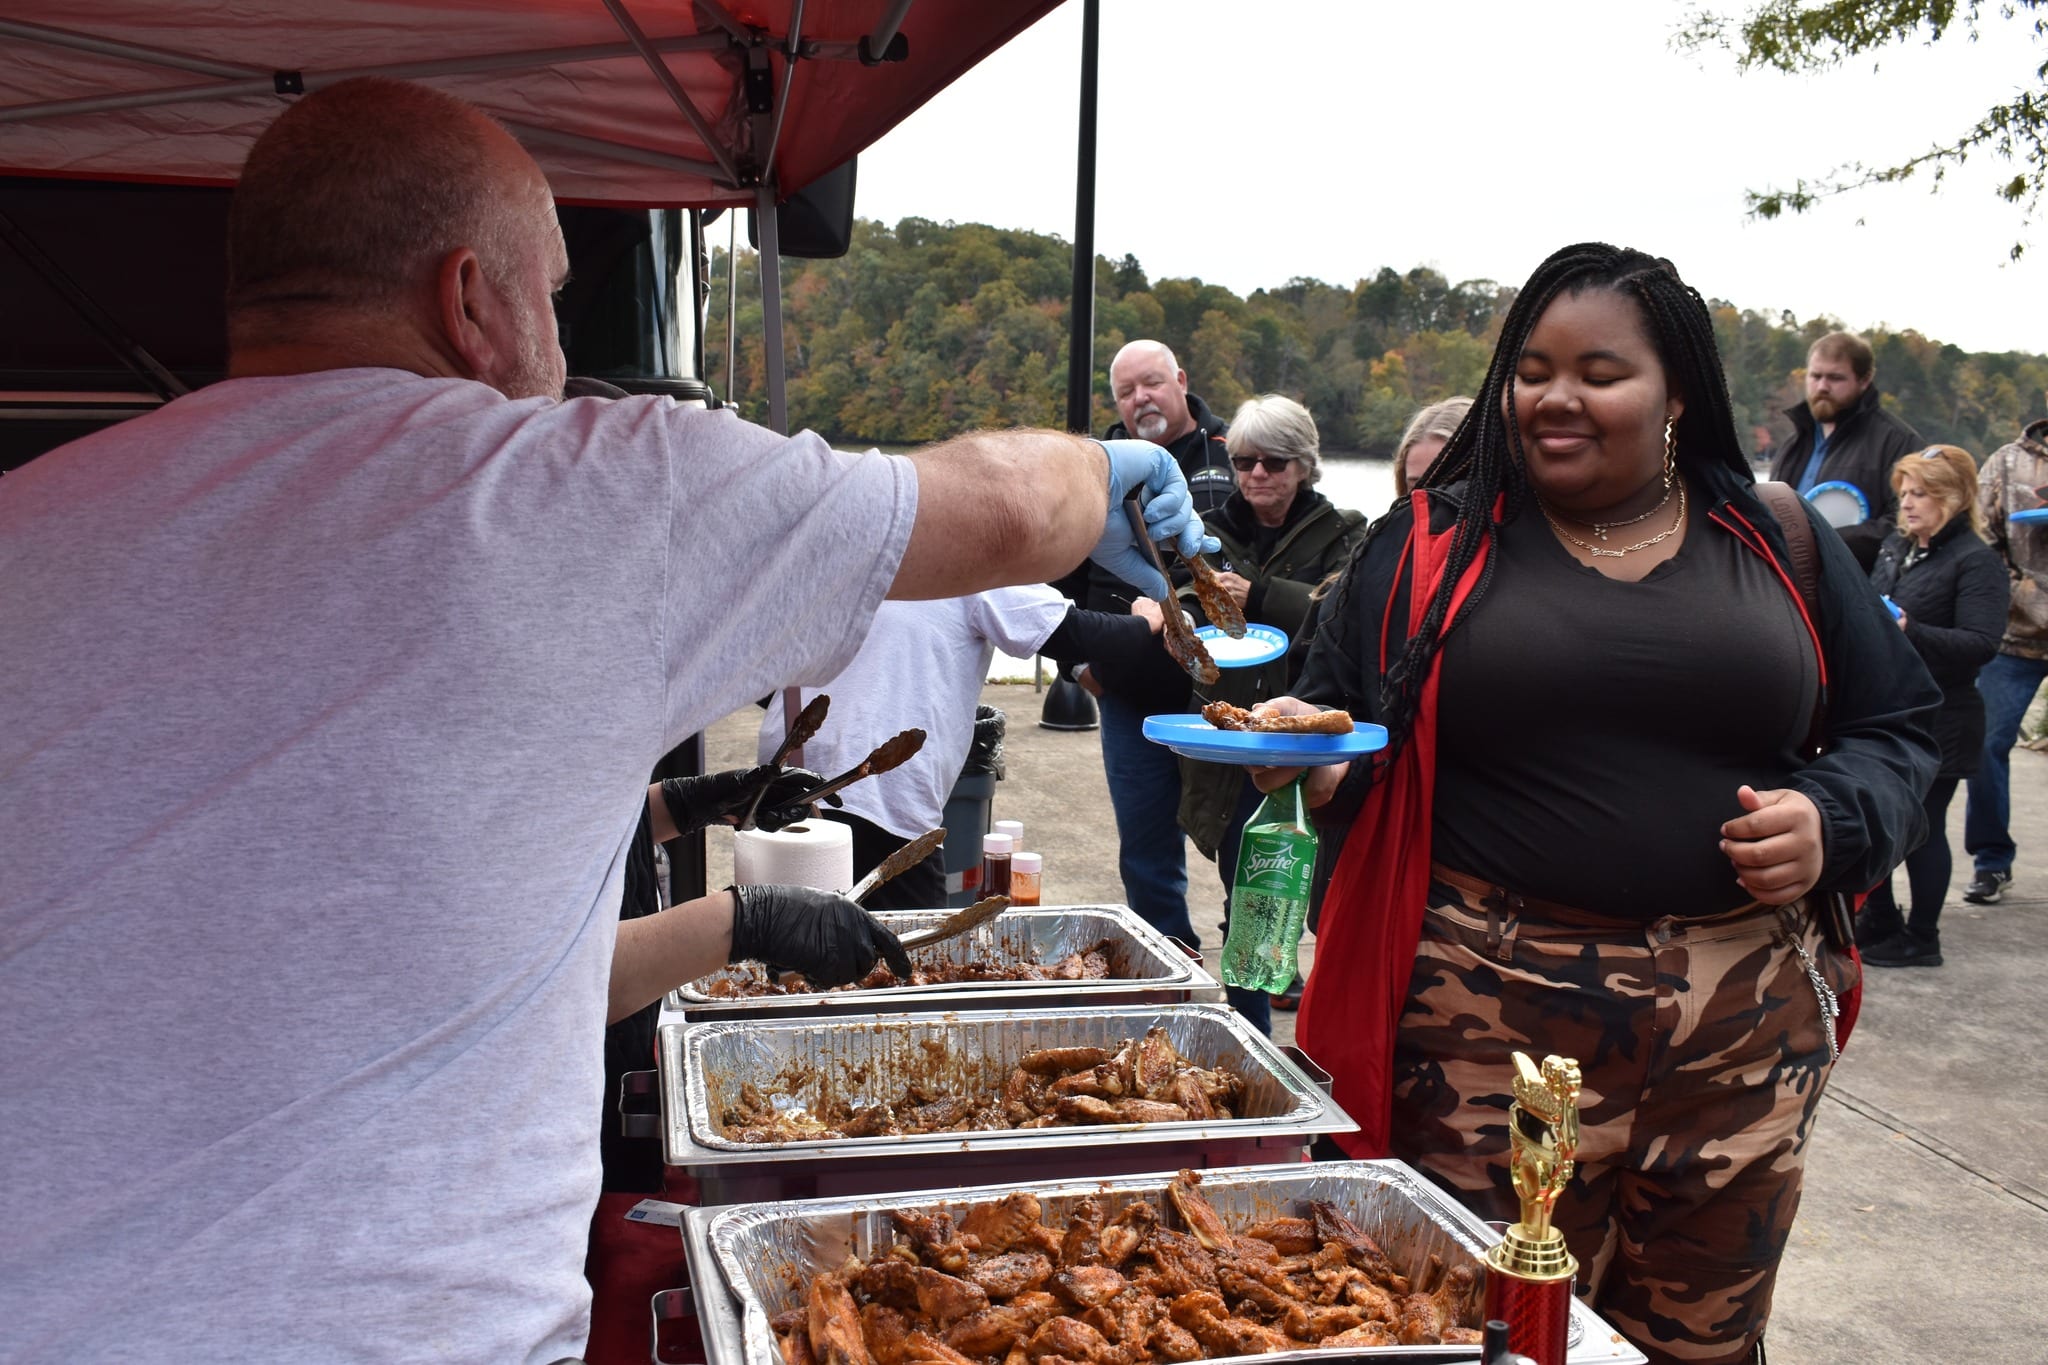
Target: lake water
(1348,481)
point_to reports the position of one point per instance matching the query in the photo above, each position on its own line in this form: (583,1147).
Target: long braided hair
(1486,452)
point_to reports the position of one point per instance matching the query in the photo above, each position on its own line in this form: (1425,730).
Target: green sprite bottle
(1276,869)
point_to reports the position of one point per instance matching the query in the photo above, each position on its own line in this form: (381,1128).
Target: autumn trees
(927,329)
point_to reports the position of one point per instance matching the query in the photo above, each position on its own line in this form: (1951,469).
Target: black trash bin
(969,805)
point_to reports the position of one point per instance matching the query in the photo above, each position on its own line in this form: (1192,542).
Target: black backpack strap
(1784,503)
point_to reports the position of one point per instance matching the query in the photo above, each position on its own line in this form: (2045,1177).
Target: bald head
(354,206)
(1151,392)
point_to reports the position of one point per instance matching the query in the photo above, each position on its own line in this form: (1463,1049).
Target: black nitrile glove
(822,934)
(694,802)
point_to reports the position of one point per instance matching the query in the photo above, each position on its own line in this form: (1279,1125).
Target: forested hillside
(927,329)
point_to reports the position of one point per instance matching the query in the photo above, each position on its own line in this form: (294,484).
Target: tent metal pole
(721,16)
(111,47)
(576,142)
(885,32)
(254,82)
(1081,316)
(666,79)
(789,51)
(732,299)
(771,306)
(132,353)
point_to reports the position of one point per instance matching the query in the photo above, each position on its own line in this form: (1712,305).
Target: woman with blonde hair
(1427,434)
(1951,593)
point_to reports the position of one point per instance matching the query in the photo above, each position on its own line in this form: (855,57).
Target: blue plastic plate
(1192,737)
(1261,644)
(1839,504)
(2028,514)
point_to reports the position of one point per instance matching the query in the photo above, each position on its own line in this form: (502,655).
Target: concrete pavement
(1923,1235)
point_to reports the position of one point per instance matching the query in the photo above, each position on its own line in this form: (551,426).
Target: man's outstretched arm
(997,508)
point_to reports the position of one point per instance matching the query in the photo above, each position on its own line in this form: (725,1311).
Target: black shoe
(1986,888)
(1903,950)
(1869,933)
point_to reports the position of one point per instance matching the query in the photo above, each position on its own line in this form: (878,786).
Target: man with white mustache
(1150,390)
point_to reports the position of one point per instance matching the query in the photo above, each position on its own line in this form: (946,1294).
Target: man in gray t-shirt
(285,1076)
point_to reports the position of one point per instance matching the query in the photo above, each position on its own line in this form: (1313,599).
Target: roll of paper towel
(809,853)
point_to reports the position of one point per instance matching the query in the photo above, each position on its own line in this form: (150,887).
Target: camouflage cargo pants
(1703,1051)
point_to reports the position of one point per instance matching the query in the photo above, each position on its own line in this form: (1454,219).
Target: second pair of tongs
(801,730)
(893,752)
(1181,641)
(898,863)
(957,923)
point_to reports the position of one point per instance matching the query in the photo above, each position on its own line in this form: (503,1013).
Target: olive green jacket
(1311,548)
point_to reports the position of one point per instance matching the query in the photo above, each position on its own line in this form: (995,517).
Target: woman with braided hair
(1602,827)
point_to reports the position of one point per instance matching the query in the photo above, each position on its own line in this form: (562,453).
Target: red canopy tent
(628,103)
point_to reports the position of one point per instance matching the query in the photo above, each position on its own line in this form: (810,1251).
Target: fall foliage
(927,329)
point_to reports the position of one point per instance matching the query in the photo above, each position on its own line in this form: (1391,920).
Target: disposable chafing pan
(801,1061)
(766,1253)
(1146,968)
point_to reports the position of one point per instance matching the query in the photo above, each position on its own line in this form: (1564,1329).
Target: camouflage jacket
(2008,484)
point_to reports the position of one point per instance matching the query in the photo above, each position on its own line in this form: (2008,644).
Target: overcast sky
(1247,144)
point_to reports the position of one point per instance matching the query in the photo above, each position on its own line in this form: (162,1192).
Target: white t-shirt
(327,705)
(922,665)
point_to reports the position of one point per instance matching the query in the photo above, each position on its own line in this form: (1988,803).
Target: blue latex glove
(1169,515)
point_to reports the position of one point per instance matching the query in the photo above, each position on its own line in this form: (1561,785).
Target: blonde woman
(1950,593)
(1428,432)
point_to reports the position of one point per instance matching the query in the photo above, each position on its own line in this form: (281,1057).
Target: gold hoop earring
(1670,451)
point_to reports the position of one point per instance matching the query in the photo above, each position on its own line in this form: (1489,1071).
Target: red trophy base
(1538,1313)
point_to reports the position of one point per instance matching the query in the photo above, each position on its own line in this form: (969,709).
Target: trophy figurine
(1529,1274)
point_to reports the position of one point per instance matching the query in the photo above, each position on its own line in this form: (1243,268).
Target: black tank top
(1592,733)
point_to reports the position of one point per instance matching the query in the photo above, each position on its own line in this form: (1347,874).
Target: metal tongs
(890,753)
(1182,643)
(801,730)
(957,923)
(898,863)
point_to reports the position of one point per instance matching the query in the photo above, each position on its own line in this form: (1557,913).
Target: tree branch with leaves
(1794,37)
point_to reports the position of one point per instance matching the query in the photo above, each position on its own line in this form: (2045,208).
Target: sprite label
(1270,892)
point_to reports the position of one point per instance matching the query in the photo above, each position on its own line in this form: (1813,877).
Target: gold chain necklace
(1601,528)
(1597,552)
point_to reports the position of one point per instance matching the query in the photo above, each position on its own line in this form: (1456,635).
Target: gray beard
(1152,426)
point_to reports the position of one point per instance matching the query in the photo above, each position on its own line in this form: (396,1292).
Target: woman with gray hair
(1428,432)
(1280,539)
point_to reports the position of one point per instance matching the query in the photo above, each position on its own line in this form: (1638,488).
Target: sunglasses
(1272,464)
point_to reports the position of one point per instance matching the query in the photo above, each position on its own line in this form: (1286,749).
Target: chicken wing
(834,1322)
(1010,1274)
(998,1224)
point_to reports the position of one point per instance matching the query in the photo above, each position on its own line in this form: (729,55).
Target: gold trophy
(1529,1274)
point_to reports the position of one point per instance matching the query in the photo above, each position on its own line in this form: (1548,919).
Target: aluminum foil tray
(1147,968)
(802,1061)
(765,1253)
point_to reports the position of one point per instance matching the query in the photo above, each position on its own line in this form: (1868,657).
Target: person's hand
(1140,466)
(821,934)
(1148,611)
(1085,677)
(1323,779)
(1240,589)
(1776,845)
(1902,618)
(695,802)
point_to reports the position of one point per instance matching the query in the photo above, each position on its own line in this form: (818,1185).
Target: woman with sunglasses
(1951,593)
(1598,829)
(1280,539)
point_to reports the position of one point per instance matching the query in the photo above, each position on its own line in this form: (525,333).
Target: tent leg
(771,307)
